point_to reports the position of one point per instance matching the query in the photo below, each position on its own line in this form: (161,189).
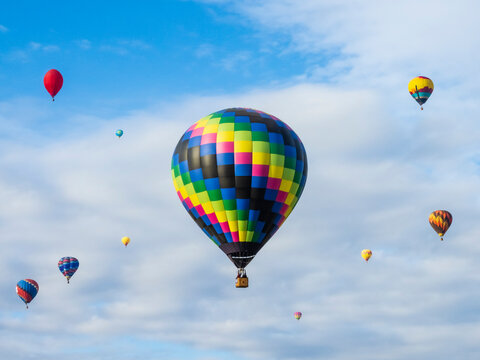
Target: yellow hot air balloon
(420,88)
(125,240)
(366,254)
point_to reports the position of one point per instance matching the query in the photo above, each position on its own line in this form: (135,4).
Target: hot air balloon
(67,266)
(125,240)
(440,220)
(366,254)
(119,133)
(239,173)
(420,88)
(27,289)
(53,82)
(298,315)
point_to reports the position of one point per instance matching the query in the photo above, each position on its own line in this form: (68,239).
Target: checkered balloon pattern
(239,173)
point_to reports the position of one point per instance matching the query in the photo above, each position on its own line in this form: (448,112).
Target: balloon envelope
(366,254)
(297,315)
(239,173)
(68,266)
(440,220)
(119,132)
(125,240)
(27,289)
(53,82)
(420,88)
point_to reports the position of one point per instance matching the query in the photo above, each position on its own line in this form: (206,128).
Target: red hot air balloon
(53,82)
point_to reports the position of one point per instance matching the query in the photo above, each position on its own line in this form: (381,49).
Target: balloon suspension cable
(241,272)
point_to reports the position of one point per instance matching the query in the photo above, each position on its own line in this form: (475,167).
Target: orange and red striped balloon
(440,220)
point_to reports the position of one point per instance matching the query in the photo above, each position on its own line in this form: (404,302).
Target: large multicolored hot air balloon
(119,133)
(53,82)
(67,266)
(440,220)
(27,289)
(420,88)
(125,240)
(366,254)
(297,315)
(239,173)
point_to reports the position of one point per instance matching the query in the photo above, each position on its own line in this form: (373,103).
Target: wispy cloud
(42,47)
(377,167)
(239,59)
(3,29)
(368,186)
(204,50)
(125,46)
(25,54)
(376,42)
(84,44)
(135,44)
(231,62)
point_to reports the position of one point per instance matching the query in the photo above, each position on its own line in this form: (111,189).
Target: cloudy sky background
(337,73)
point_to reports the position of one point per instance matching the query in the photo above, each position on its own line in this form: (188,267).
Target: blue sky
(121,55)
(337,72)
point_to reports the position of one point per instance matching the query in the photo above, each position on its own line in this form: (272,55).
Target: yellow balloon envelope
(125,240)
(366,254)
(420,88)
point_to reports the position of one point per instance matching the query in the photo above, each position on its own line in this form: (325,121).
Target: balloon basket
(242,279)
(242,282)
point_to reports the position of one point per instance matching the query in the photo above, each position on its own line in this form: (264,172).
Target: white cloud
(382,44)
(231,63)
(84,44)
(125,46)
(368,186)
(204,50)
(377,167)
(135,44)
(26,53)
(42,47)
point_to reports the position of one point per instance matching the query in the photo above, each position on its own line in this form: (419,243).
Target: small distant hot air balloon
(27,289)
(119,133)
(366,254)
(125,240)
(440,220)
(420,88)
(53,82)
(67,266)
(297,315)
